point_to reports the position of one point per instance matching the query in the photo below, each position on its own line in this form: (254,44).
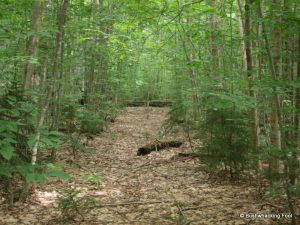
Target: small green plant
(91,124)
(71,206)
(181,217)
(226,140)
(94,178)
(69,116)
(147,135)
(77,146)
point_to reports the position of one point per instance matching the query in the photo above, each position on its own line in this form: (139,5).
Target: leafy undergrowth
(158,189)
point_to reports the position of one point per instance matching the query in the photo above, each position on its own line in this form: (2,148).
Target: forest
(150,112)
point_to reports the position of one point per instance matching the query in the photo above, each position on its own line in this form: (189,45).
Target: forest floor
(157,189)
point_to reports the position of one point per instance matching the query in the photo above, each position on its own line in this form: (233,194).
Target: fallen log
(147,149)
(154,103)
(186,154)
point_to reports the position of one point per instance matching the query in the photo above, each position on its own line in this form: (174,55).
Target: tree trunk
(215,52)
(58,42)
(275,136)
(293,174)
(241,30)
(251,76)
(33,44)
(275,133)
(61,23)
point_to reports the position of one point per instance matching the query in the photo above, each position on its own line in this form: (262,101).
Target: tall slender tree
(33,43)
(250,73)
(58,42)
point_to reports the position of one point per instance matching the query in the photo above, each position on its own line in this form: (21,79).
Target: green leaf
(94,178)
(8,139)
(15,112)
(41,178)
(25,169)
(5,171)
(7,151)
(30,177)
(58,173)
(56,133)
(31,141)
(3,125)
(12,126)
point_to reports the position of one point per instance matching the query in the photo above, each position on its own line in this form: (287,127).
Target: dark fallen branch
(147,149)
(186,154)
(154,103)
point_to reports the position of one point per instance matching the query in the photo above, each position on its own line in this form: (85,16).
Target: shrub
(71,206)
(18,118)
(226,140)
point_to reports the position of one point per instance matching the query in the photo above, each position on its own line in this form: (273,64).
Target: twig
(144,164)
(269,204)
(129,203)
(212,205)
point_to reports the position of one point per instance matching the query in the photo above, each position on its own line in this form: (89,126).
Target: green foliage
(76,144)
(85,120)
(18,118)
(16,124)
(147,134)
(109,110)
(178,112)
(69,115)
(91,123)
(71,206)
(49,139)
(295,189)
(94,178)
(17,121)
(40,173)
(226,138)
(124,50)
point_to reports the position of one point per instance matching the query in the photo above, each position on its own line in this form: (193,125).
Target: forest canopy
(229,71)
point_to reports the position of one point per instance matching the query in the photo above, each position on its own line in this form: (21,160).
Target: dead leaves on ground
(157,189)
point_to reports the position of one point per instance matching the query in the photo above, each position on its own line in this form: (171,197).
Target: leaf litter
(156,189)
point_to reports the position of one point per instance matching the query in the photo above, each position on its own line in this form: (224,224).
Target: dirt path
(181,190)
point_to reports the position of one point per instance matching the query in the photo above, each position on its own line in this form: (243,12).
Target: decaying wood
(147,149)
(154,103)
(185,154)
